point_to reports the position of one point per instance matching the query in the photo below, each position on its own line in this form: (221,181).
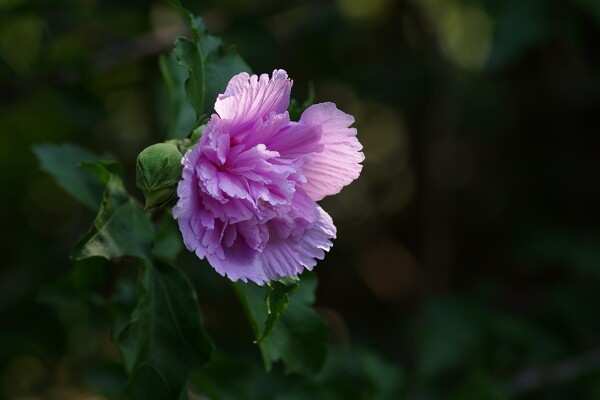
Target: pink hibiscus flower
(247,200)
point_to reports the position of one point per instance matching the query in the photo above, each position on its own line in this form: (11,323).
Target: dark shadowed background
(468,252)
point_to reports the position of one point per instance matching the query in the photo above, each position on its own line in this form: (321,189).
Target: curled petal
(289,256)
(288,139)
(339,162)
(251,98)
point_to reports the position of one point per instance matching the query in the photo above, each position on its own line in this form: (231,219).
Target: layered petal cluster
(247,200)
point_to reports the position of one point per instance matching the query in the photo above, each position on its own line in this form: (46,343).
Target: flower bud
(157,173)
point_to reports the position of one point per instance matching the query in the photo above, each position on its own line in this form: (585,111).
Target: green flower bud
(157,173)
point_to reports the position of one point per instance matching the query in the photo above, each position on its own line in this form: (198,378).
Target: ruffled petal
(338,164)
(248,99)
(239,262)
(289,256)
(289,139)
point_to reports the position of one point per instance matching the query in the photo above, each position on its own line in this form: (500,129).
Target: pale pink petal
(251,98)
(297,140)
(339,162)
(289,256)
(288,139)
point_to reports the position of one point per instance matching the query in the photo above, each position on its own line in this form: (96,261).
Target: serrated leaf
(120,229)
(164,336)
(278,294)
(209,64)
(181,113)
(63,162)
(298,337)
(103,169)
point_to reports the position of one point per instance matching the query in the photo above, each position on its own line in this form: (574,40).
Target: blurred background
(468,253)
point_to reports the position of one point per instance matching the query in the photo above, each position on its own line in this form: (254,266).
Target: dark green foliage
(120,229)
(278,298)
(164,338)
(182,115)
(298,336)
(210,65)
(62,162)
(349,374)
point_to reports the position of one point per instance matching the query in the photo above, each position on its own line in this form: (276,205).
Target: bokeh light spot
(364,10)
(464,31)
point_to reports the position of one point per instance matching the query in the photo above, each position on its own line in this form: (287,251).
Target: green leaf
(348,374)
(120,229)
(298,337)
(164,335)
(182,115)
(63,162)
(278,294)
(103,170)
(231,378)
(210,65)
